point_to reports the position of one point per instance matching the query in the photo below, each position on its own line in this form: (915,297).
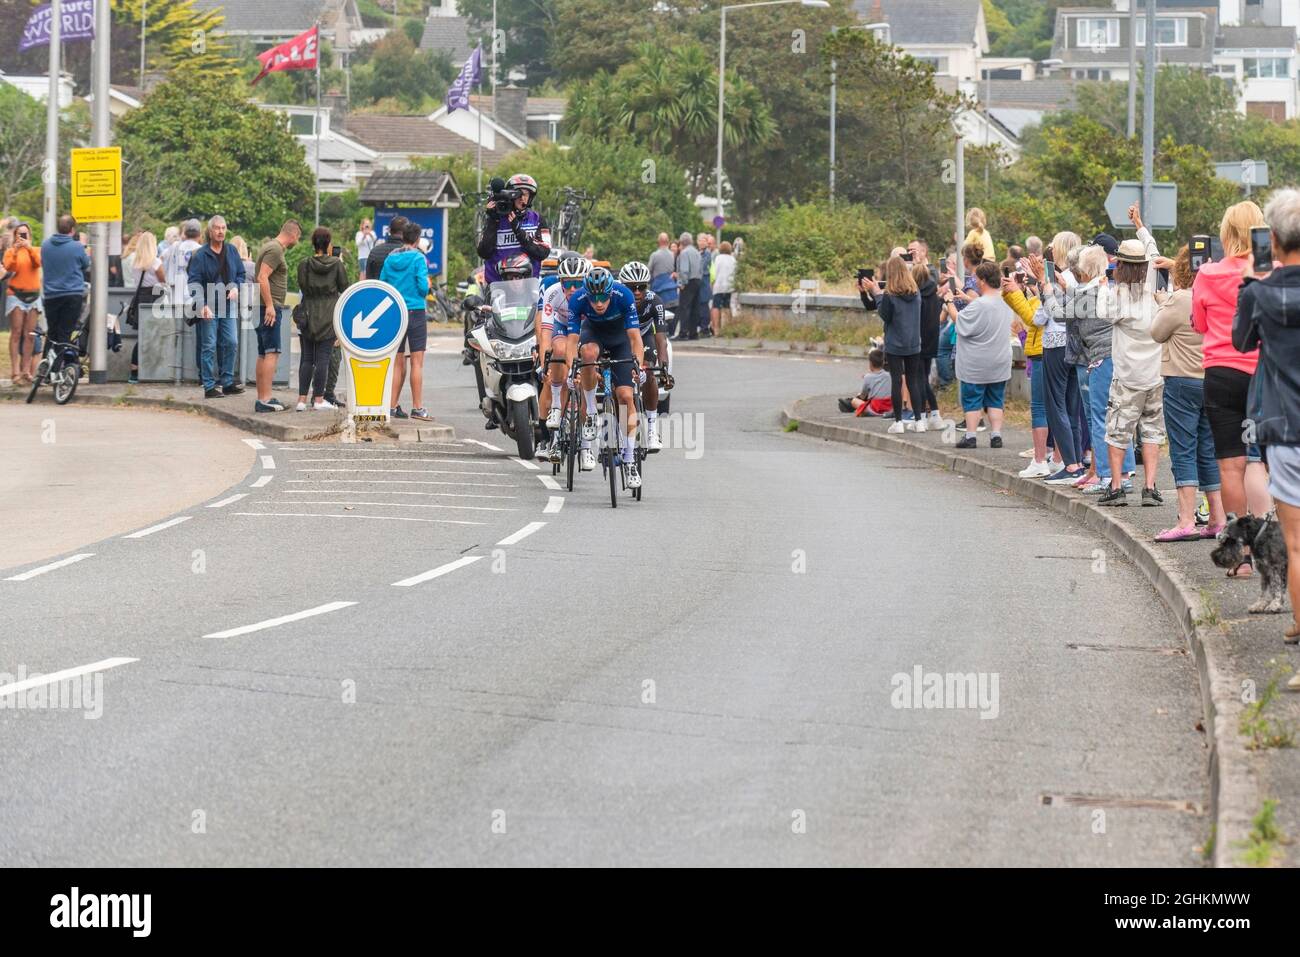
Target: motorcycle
(504,337)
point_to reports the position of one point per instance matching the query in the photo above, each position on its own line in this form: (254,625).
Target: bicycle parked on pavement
(61,365)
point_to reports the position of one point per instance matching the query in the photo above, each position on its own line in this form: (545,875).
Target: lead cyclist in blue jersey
(606,315)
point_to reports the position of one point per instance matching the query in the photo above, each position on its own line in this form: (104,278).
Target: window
(1093,74)
(1098,32)
(302,124)
(1170,32)
(1267,68)
(937,63)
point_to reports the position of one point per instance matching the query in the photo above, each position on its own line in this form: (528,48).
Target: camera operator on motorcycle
(650,310)
(511,226)
(557,341)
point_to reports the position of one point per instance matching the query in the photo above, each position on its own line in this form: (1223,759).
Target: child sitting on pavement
(875,397)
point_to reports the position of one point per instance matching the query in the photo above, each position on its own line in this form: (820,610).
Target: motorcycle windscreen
(513,305)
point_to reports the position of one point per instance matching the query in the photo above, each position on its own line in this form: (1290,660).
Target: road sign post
(370,321)
(97,184)
(1162,211)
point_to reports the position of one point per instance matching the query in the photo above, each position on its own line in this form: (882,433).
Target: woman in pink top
(1228,373)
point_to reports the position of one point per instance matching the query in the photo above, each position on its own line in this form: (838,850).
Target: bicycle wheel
(640,453)
(37,379)
(615,464)
(574,225)
(570,426)
(612,445)
(66,386)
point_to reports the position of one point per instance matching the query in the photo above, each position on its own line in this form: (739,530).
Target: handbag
(130,313)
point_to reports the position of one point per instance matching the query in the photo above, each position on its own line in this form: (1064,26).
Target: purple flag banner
(78,23)
(470,75)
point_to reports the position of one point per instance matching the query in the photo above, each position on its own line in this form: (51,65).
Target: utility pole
(961,204)
(144,30)
(1132,68)
(832,173)
(50,175)
(1149,111)
(102,57)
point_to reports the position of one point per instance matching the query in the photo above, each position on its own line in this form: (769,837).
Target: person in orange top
(23,302)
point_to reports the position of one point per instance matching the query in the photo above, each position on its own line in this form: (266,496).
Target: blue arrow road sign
(370,318)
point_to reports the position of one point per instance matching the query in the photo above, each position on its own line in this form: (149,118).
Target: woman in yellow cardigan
(977,224)
(1022,298)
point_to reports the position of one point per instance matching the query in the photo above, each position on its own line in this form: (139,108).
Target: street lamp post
(722,67)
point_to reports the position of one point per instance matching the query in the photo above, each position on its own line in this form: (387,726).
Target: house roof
(537,105)
(389,187)
(261,17)
(1256,38)
(1039,94)
(449,35)
(924,21)
(1200,55)
(412,136)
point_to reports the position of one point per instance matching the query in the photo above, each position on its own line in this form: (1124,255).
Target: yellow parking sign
(97,184)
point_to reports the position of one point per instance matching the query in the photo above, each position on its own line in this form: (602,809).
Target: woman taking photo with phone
(22,302)
(899,304)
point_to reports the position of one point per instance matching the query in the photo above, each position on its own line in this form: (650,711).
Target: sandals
(1180,535)
(1292,635)
(1212,531)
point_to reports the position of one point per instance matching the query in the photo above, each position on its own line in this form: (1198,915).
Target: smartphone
(1021,277)
(1216,248)
(1261,247)
(1050,267)
(952,284)
(906,257)
(1047,255)
(1199,249)
(865,273)
(336,250)
(1006,271)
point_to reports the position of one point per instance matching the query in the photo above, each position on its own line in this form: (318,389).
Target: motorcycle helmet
(518,266)
(524,182)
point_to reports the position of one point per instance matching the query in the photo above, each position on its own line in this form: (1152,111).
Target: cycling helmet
(599,282)
(634,273)
(573,267)
(518,266)
(524,182)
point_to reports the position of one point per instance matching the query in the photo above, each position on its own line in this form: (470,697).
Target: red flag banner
(296,54)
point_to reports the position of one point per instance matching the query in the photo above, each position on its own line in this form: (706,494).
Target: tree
(394,69)
(198,147)
(1191,106)
(526,26)
(22,151)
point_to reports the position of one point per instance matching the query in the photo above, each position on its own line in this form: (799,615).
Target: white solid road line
(159,527)
(379,518)
(472,508)
(485,445)
(555,503)
(383,491)
(426,448)
(254,444)
(49,568)
(282,620)
(528,465)
(226,501)
(64,675)
(522,533)
(549,482)
(370,482)
(413,471)
(437,572)
(268,462)
(353,458)
(262,480)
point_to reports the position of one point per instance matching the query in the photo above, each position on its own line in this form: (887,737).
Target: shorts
(1284,473)
(268,337)
(990,395)
(1226,392)
(417,332)
(1141,409)
(614,343)
(12,302)
(722,300)
(874,407)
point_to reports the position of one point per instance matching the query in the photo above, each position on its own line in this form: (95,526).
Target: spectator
(874,399)
(724,284)
(1268,316)
(1191,445)
(984,356)
(407,270)
(1019,291)
(925,403)
(393,241)
(1136,395)
(704,242)
(663,281)
(1228,372)
(149,281)
(689,273)
(978,234)
(971,257)
(22,301)
(65,270)
(322,278)
(1093,312)
(176,263)
(273,286)
(216,276)
(1033,246)
(899,303)
(170,236)
(365,242)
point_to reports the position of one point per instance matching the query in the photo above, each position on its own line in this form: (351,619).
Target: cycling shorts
(615,344)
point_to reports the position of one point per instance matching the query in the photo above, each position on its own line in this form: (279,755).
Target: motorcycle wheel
(66,387)
(522,424)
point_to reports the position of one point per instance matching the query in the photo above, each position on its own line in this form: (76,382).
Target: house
(1261,62)
(345,163)
(38,87)
(445,31)
(121,99)
(266,24)
(396,140)
(950,35)
(1092,43)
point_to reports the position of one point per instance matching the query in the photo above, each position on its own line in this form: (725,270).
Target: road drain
(1084,646)
(1123,803)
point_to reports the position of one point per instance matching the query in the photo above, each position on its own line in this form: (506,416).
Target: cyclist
(605,313)
(508,232)
(553,340)
(650,310)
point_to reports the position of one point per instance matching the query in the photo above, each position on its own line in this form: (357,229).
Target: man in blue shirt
(65,267)
(606,313)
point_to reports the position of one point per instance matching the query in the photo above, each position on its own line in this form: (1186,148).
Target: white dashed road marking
(437,572)
(262,481)
(522,533)
(159,527)
(226,501)
(282,620)
(413,471)
(381,518)
(254,444)
(485,445)
(370,482)
(549,482)
(555,503)
(57,676)
(473,508)
(268,462)
(528,465)
(48,568)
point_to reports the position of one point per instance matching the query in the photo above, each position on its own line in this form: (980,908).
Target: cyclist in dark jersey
(650,311)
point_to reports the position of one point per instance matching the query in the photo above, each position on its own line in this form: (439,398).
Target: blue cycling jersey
(622,309)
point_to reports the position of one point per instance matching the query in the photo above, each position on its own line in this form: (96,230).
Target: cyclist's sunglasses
(638,286)
(569,285)
(598,297)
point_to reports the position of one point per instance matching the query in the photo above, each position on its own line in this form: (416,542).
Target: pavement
(1236,653)
(431,654)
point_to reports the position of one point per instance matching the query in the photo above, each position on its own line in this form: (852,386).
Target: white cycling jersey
(554,307)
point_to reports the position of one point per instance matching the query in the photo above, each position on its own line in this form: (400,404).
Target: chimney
(512,108)
(337,105)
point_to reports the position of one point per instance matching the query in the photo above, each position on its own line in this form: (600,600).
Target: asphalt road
(704,677)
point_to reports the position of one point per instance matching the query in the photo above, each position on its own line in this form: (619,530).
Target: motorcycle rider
(650,310)
(553,339)
(518,228)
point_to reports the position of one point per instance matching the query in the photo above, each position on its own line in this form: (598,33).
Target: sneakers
(275,403)
(1064,477)
(397,413)
(633,474)
(300,407)
(845,405)
(967,442)
(919,426)
(553,418)
(1035,470)
(233,389)
(1114,498)
(322,405)
(1027,454)
(995,442)
(587,460)
(1203,511)
(553,450)
(421,413)
(898,428)
(1151,497)
(212,393)
(589,429)
(272,406)
(935,421)
(652,442)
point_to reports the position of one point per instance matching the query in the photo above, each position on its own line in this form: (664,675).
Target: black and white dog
(1264,538)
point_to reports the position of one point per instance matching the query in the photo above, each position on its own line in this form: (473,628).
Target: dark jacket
(931,313)
(205,272)
(1268,319)
(65,266)
(321,279)
(902,318)
(375,261)
(502,238)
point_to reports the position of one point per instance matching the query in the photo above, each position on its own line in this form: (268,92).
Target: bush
(805,241)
